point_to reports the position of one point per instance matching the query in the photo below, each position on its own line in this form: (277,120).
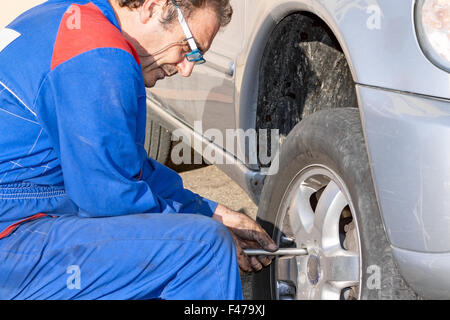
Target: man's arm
(169,185)
(90,106)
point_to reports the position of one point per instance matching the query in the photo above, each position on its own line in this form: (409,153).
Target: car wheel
(323,199)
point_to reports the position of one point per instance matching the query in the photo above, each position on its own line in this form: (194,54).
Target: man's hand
(247,234)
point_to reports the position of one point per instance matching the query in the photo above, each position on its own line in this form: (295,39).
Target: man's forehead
(204,25)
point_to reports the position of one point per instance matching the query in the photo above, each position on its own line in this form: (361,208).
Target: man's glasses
(195,55)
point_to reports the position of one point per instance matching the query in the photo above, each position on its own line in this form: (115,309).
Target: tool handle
(280,252)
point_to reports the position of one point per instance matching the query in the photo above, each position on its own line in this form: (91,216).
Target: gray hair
(222,8)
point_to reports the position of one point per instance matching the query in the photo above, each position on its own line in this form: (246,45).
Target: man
(84,213)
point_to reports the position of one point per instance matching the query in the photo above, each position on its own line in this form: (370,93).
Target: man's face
(161,48)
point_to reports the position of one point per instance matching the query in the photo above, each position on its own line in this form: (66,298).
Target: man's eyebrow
(201,48)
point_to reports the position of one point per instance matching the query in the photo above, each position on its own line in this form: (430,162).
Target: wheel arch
(248,79)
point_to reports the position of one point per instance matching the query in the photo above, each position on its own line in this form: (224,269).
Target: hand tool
(279,252)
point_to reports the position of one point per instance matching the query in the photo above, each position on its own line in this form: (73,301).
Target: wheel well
(303,70)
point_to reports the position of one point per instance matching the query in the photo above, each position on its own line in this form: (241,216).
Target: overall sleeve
(89,108)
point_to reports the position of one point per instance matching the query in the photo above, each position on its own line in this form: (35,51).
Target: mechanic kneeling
(77,191)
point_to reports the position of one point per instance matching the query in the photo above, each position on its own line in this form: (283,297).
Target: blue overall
(84,213)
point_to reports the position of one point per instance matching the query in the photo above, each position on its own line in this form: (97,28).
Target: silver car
(357,96)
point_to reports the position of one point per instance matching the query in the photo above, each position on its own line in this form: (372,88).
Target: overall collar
(106,8)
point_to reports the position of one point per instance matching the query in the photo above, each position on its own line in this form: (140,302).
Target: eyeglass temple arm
(186,30)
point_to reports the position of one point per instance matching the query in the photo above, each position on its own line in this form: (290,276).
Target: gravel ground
(211,183)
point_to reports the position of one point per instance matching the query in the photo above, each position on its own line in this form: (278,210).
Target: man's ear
(151,8)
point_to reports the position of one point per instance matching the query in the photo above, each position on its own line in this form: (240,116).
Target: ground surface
(211,183)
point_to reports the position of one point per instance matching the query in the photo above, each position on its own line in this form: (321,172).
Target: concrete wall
(10,9)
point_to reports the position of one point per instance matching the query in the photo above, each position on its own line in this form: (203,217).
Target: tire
(327,146)
(158,141)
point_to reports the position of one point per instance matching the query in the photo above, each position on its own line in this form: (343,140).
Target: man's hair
(222,8)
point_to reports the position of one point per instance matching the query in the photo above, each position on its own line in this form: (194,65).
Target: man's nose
(185,68)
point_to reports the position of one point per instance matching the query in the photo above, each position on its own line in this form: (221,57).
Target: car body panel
(366,45)
(381,57)
(427,273)
(408,139)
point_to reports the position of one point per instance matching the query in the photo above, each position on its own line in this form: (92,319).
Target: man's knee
(214,232)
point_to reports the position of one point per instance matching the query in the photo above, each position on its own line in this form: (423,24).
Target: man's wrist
(227,216)
(219,213)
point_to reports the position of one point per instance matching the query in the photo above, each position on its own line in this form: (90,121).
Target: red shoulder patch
(84,28)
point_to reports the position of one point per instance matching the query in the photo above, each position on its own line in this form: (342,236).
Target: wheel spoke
(294,218)
(324,203)
(287,268)
(328,212)
(342,269)
(330,292)
(304,210)
(301,215)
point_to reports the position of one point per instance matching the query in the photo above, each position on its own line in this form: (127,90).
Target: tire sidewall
(334,139)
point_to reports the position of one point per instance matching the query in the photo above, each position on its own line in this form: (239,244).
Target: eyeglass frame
(195,55)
